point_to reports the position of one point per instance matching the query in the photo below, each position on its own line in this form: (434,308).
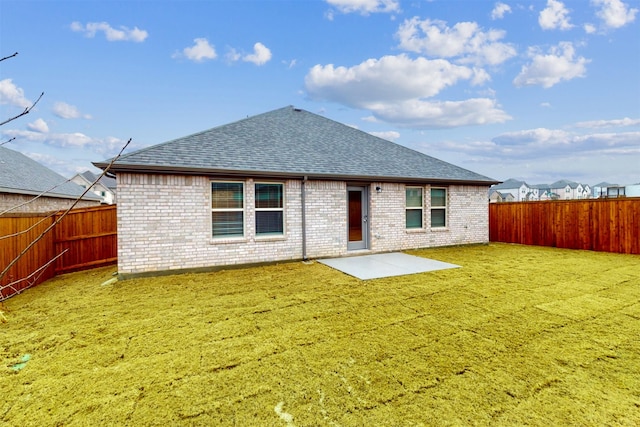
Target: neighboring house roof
(509,184)
(289,142)
(107,181)
(503,195)
(563,183)
(605,184)
(541,186)
(21,175)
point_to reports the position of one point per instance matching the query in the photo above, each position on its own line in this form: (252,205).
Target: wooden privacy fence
(608,225)
(85,238)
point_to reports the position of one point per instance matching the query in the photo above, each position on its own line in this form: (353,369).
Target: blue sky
(535,90)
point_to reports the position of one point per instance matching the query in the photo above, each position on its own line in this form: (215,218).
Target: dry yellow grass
(518,336)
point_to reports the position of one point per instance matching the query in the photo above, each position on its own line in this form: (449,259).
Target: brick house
(287,185)
(26,186)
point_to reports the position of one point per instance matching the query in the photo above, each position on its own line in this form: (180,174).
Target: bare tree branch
(8,236)
(7,141)
(25,112)
(35,275)
(56,222)
(8,57)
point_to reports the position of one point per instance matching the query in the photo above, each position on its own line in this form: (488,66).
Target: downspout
(304,222)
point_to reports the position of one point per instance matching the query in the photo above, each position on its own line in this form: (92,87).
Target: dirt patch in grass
(518,335)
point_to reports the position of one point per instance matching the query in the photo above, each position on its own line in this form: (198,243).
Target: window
(269,209)
(413,207)
(227,209)
(438,207)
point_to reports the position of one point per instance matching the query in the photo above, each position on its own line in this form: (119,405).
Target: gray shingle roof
(105,180)
(21,175)
(292,142)
(563,183)
(509,184)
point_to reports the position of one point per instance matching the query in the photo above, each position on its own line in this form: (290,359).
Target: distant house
(498,197)
(547,194)
(600,190)
(616,191)
(632,190)
(605,189)
(105,188)
(570,190)
(287,185)
(559,190)
(520,190)
(22,179)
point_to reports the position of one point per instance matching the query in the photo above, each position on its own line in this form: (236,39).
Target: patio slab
(384,265)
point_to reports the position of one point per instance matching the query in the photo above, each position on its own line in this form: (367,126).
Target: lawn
(517,336)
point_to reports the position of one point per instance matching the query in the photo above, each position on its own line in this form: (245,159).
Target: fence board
(609,225)
(88,235)
(35,258)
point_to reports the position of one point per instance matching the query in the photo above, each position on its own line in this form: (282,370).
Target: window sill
(439,229)
(273,238)
(228,240)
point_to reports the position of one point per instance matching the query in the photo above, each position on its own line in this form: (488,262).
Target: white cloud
(614,13)
(420,114)
(38,126)
(101,146)
(232,55)
(389,135)
(364,7)
(499,10)
(260,56)
(547,70)
(112,34)
(465,41)
(199,52)
(546,144)
(537,143)
(394,89)
(12,95)
(589,28)
(49,161)
(545,105)
(594,124)
(390,78)
(67,111)
(554,16)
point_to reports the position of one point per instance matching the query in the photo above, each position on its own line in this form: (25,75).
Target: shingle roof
(105,180)
(509,184)
(21,175)
(290,142)
(563,183)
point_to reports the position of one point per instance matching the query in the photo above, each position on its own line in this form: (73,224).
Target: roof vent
(297,109)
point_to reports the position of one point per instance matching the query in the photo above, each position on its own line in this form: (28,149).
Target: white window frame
(243,209)
(444,208)
(421,207)
(281,209)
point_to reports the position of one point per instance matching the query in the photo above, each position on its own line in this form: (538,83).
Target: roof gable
(292,142)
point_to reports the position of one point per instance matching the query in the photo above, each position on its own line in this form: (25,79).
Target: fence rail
(85,238)
(608,225)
